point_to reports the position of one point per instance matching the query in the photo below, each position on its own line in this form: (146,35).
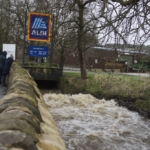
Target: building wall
(95,58)
(102,59)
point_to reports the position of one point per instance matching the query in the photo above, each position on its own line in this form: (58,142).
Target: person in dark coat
(2,63)
(6,69)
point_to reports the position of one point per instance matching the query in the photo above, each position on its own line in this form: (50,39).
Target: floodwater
(87,123)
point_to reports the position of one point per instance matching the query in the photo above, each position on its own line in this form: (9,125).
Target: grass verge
(132,89)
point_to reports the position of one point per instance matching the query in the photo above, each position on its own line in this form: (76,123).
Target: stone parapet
(25,122)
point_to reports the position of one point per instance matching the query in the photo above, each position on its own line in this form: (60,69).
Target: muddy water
(87,123)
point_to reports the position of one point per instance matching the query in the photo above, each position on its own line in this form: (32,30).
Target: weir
(25,120)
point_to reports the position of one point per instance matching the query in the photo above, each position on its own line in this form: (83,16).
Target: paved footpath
(138,74)
(3,91)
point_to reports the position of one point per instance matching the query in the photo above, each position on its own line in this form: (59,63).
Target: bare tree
(78,22)
(116,20)
(128,22)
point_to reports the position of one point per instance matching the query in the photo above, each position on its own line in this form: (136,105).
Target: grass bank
(133,91)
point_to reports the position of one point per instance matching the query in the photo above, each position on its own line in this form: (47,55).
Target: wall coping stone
(26,123)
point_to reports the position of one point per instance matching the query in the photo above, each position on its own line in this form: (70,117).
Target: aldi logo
(39,27)
(39,23)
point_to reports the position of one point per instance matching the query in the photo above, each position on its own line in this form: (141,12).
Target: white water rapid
(87,123)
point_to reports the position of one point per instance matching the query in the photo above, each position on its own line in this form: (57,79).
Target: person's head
(5,53)
(11,56)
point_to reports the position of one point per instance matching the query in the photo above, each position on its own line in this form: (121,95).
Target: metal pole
(52,41)
(24,42)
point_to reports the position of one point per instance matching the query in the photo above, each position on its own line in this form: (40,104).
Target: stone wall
(25,122)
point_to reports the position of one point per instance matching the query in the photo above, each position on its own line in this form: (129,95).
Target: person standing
(2,63)
(6,69)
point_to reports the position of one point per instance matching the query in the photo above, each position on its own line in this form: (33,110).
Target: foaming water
(87,123)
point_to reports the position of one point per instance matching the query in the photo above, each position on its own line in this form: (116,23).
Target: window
(96,61)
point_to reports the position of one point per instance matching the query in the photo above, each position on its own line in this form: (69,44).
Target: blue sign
(39,27)
(38,51)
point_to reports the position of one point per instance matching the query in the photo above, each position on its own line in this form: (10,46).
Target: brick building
(103,58)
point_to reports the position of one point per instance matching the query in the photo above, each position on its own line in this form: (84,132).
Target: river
(87,123)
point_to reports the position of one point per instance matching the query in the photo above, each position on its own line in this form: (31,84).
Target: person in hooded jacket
(6,69)
(2,63)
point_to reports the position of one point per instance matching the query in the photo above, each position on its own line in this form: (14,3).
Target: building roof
(120,50)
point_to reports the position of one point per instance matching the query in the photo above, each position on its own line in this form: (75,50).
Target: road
(138,74)
(133,74)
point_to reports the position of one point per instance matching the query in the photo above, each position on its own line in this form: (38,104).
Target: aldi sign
(39,27)
(38,51)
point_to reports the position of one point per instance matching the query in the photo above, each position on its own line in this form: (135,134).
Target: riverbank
(131,92)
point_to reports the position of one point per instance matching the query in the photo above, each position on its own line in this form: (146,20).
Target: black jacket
(7,65)
(2,60)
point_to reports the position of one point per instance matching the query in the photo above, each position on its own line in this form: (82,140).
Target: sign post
(24,41)
(10,49)
(52,42)
(38,51)
(39,27)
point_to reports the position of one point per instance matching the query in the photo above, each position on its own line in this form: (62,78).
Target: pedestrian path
(138,74)
(3,91)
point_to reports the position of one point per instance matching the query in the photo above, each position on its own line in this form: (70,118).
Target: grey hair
(11,56)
